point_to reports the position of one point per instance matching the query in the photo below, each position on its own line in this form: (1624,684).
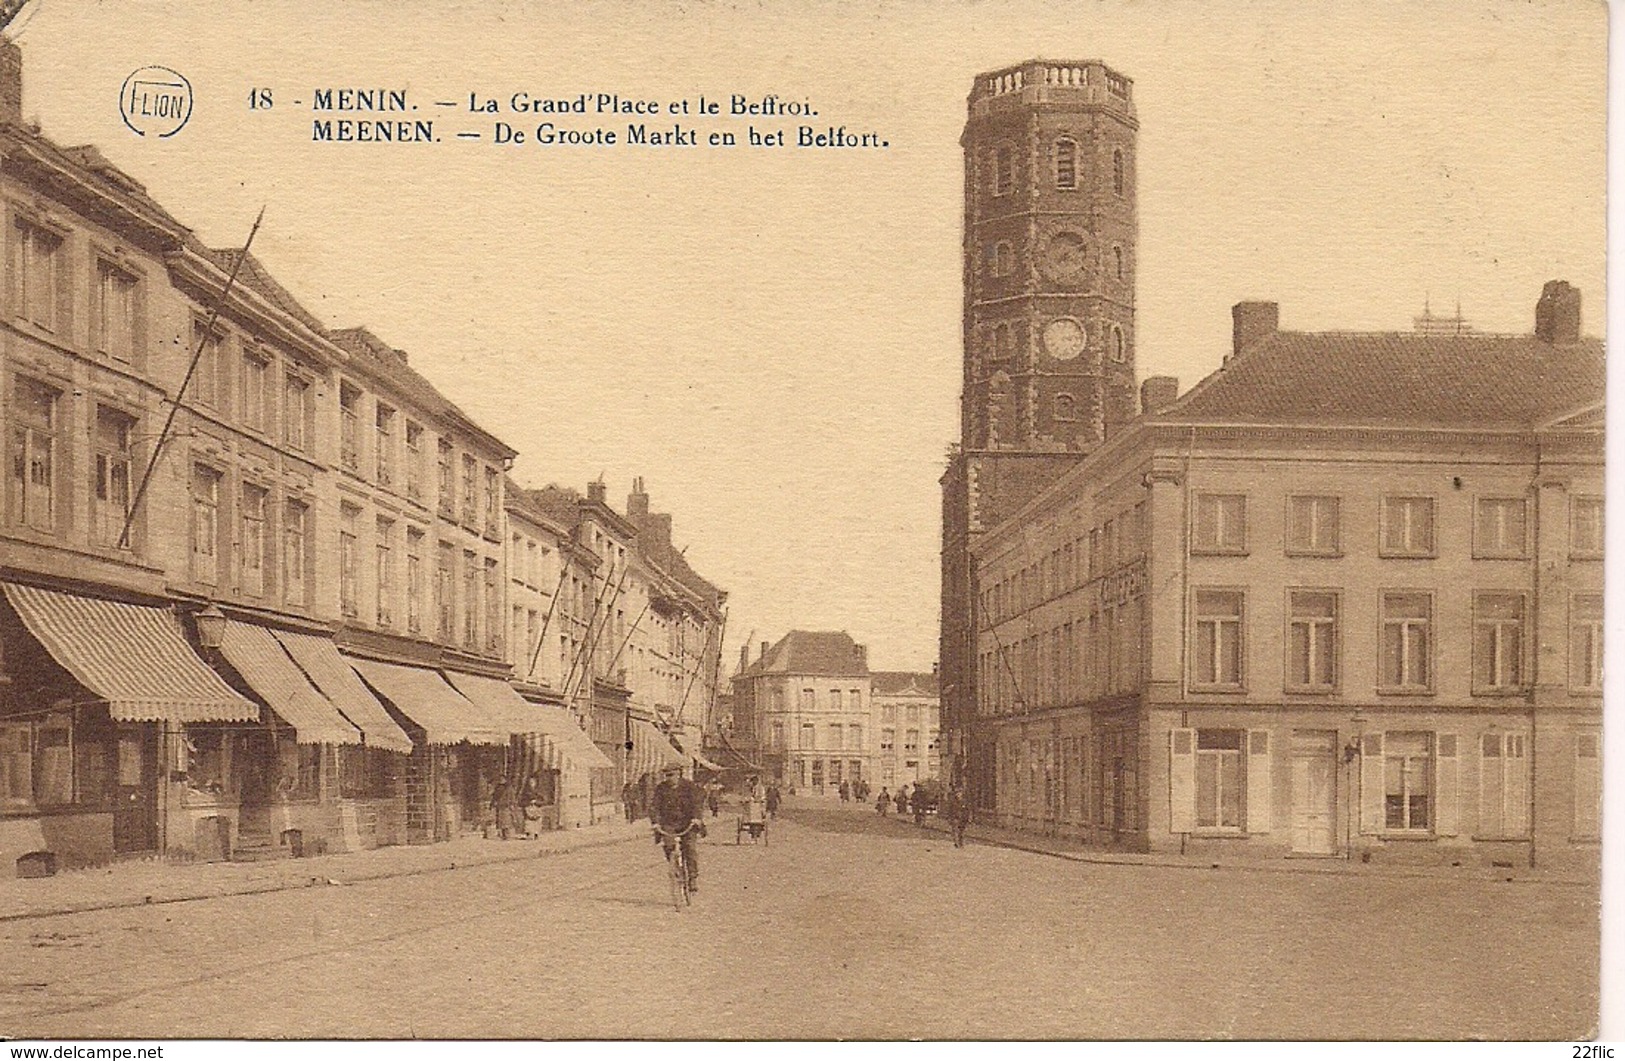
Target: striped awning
(131,655)
(422,695)
(551,723)
(499,702)
(330,672)
(651,751)
(271,673)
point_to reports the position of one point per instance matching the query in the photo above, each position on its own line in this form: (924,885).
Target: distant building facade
(907,725)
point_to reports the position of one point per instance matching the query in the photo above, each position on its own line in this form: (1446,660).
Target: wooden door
(135,807)
(1314,792)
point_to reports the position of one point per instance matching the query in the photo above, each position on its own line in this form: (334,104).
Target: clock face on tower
(1063,257)
(1064,339)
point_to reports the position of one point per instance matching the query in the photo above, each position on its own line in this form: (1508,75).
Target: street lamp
(211,626)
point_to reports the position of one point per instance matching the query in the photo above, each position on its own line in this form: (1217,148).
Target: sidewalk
(1074,851)
(153,881)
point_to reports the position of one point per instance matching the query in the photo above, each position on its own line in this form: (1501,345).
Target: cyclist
(677,804)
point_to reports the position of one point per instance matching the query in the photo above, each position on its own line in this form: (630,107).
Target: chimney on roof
(11,81)
(765,646)
(744,656)
(1251,322)
(863,656)
(1158,393)
(596,492)
(1557,314)
(637,502)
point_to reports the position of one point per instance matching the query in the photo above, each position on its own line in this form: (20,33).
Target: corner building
(1049,258)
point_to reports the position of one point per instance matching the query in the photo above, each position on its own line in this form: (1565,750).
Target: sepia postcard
(1011,520)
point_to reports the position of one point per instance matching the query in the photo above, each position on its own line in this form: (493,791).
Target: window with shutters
(110,490)
(1407,781)
(1588,785)
(1312,640)
(36,274)
(1406,527)
(349,573)
(1585,642)
(1497,642)
(384,444)
(835,699)
(1503,786)
(256,370)
(1312,526)
(253,544)
(113,316)
(295,546)
(16,765)
(1066,164)
(1219,779)
(1585,528)
(446,479)
(1407,642)
(384,574)
(471,486)
(1500,528)
(805,701)
(414,580)
(205,524)
(493,608)
(1216,639)
(808,737)
(471,599)
(1221,524)
(414,460)
(350,427)
(33,438)
(296,410)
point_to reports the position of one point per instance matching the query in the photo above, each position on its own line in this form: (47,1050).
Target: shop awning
(131,655)
(319,658)
(651,751)
(560,734)
(423,696)
(272,673)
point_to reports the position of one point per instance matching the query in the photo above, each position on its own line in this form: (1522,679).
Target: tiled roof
(812,652)
(902,683)
(1398,379)
(254,276)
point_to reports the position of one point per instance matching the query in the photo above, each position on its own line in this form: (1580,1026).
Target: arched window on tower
(1004,170)
(1004,342)
(1066,408)
(1117,254)
(1119,351)
(1066,164)
(1004,259)
(1117,171)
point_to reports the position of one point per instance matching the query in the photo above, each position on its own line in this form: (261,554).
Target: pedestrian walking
(883,802)
(713,799)
(902,801)
(773,801)
(958,813)
(626,802)
(846,792)
(504,806)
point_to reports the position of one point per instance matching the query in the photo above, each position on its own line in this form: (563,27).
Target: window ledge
(1403,691)
(1218,834)
(1318,691)
(1206,551)
(1314,554)
(1408,836)
(1407,556)
(1226,690)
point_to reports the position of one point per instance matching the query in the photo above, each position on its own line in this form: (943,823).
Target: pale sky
(770,337)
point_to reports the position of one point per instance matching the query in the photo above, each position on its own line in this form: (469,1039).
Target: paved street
(844,925)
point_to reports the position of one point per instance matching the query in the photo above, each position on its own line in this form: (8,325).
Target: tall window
(205,523)
(208,378)
(471,599)
(110,492)
(1221,523)
(491,494)
(1407,641)
(445,595)
(1004,170)
(414,580)
(808,740)
(1407,780)
(1312,526)
(384,548)
(888,739)
(1585,527)
(1066,164)
(854,737)
(1312,640)
(1407,526)
(255,370)
(1004,342)
(1119,348)
(384,422)
(252,541)
(1117,261)
(911,741)
(471,485)
(295,409)
(414,460)
(1585,642)
(295,550)
(1216,652)
(36,274)
(1588,785)
(1004,259)
(1118,173)
(1497,642)
(835,699)
(447,478)
(493,606)
(1499,527)
(1219,778)
(1503,785)
(806,700)
(115,309)
(349,576)
(350,427)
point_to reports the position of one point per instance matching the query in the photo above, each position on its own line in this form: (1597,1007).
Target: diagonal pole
(191,369)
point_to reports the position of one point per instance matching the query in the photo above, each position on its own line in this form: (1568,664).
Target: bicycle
(677,864)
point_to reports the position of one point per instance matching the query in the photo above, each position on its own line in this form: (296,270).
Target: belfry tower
(1049,258)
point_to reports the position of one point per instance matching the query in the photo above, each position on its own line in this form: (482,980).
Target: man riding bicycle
(677,804)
